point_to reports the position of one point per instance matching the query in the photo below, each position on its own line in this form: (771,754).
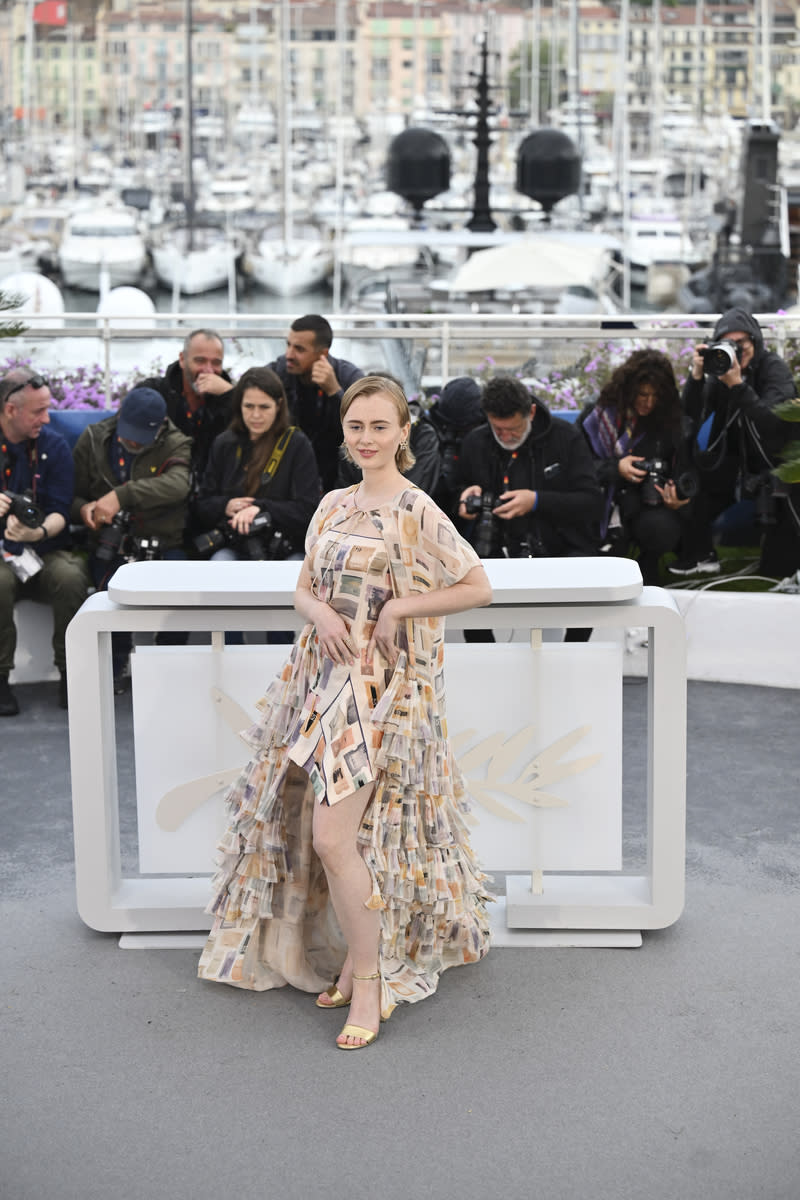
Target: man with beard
(315,382)
(532,478)
(197,393)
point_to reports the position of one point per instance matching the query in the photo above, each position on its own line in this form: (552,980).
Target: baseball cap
(141,415)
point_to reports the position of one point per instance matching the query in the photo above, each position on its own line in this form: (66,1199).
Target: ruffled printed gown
(327,730)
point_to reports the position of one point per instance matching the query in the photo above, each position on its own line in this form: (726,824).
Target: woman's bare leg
(335,832)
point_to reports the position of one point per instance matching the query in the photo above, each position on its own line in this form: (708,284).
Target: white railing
(424,349)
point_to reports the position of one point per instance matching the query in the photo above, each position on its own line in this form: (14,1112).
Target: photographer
(453,415)
(735,385)
(635,434)
(527,481)
(131,490)
(36,481)
(261,467)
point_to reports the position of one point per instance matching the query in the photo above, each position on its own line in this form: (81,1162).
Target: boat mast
(188,132)
(285,99)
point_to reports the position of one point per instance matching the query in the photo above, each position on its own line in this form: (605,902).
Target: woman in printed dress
(353,805)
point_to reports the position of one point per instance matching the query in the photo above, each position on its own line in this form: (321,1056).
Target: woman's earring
(403,445)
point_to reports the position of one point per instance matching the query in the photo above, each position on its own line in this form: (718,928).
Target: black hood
(737,320)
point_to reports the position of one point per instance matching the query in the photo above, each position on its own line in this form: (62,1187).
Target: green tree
(9,329)
(522,60)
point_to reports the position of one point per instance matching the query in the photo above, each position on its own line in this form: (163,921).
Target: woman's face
(258,412)
(372,431)
(645,400)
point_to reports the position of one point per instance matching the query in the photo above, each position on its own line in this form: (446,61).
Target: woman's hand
(629,471)
(669,495)
(334,637)
(243,518)
(384,635)
(236,503)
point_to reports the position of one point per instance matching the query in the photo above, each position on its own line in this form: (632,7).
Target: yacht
(102,245)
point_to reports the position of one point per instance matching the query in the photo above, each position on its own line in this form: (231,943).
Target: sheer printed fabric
(327,730)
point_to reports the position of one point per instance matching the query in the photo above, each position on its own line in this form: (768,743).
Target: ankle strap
(375,976)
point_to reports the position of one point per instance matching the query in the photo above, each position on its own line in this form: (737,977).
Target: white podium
(606,904)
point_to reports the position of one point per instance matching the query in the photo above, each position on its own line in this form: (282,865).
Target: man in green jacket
(132,474)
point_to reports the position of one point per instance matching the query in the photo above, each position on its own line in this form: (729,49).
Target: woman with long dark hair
(635,431)
(260,464)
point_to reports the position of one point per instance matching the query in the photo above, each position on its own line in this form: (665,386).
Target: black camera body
(487,527)
(720,357)
(117,541)
(658,475)
(262,542)
(25,509)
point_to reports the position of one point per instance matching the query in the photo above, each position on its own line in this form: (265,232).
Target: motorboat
(652,243)
(102,246)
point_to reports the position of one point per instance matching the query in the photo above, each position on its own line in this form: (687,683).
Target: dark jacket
(317,414)
(648,442)
(43,465)
(423,442)
(555,462)
(290,497)
(212,419)
(743,416)
(157,492)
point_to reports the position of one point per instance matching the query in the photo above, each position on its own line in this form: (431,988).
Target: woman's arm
(334,636)
(473,591)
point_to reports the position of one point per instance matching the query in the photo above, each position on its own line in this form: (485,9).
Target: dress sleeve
(317,522)
(443,556)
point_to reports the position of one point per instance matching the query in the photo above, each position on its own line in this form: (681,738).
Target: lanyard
(511,461)
(33,462)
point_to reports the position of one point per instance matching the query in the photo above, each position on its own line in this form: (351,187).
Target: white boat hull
(86,273)
(288,268)
(196,271)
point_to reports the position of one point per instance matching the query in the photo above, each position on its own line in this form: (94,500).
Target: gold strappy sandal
(368,1035)
(337,1000)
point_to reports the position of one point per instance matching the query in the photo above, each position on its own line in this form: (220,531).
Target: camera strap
(270,470)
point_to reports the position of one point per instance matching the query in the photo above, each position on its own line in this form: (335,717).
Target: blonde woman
(353,804)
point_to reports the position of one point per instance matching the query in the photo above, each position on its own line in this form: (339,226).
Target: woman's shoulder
(333,499)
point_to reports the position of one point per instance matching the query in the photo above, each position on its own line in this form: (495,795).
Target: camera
(25,509)
(487,532)
(112,536)
(262,542)
(719,358)
(117,541)
(658,474)
(763,489)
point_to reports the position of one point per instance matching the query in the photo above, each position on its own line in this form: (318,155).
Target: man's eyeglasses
(35,381)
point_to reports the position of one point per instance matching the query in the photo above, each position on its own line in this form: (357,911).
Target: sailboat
(289,258)
(190,256)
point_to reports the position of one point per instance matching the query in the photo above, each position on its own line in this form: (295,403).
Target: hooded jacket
(158,488)
(750,405)
(556,463)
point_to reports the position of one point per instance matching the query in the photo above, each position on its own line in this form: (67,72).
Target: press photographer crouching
(730,395)
(261,486)
(131,492)
(36,479)
(527,484)
(636,435)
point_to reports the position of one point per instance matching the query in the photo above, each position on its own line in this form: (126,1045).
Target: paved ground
(666,1073)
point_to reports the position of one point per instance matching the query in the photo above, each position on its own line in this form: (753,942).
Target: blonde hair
(382,385)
